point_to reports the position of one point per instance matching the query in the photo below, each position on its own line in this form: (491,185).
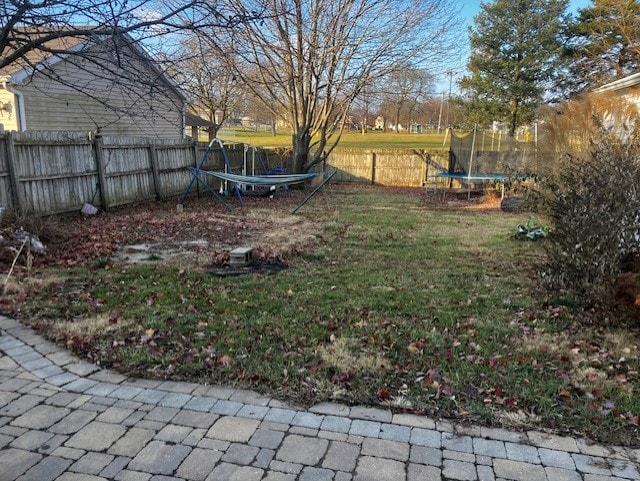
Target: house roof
(623,83)
(192,120)
(57,48)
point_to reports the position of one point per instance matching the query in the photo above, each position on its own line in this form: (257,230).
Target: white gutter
(22,119)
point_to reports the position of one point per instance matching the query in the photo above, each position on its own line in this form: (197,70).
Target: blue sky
(469,10)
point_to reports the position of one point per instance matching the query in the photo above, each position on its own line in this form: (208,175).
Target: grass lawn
(350,140)
(392,299)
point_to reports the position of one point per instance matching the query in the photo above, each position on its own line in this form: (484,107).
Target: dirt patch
(156,232)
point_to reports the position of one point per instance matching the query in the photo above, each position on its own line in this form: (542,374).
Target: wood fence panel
(55,171)
(128,172)
(399,168)
(6,198)
(352,165)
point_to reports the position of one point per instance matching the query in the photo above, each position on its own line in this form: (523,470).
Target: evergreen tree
(516,53)
(606,43)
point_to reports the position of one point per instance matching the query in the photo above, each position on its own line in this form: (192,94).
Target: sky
(469,10)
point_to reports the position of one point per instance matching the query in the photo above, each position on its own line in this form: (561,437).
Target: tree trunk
(514,119)
(301,141)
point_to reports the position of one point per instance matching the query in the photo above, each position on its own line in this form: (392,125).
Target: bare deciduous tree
(311,59)
(404,89)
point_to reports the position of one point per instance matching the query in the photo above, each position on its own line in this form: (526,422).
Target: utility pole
(440,115)
(450,73)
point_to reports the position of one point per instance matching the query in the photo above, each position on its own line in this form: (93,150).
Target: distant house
(627,90)
(101,82)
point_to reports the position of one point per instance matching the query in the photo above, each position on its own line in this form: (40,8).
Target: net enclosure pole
(315,191)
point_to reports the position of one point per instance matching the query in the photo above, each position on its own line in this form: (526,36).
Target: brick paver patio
(63,419)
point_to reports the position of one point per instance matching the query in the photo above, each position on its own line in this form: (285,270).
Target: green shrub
(595,210)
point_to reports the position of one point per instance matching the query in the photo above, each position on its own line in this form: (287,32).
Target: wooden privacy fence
(406,167)
(54,172)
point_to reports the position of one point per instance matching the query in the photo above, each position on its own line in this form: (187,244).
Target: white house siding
(9,120)
(134,101)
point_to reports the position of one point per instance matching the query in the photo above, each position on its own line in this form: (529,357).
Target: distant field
(352,140)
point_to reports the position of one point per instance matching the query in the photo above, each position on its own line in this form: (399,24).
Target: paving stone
(264,458)
(162,414)
(240,454)
(285,467)
(125,392)
(591,465)
(81,368)
(92,463)
(194,437)
(557,474)
(488,447)
(459,456)
(175,400)
(173,434)
(7,397)
(198,464)
(150,396)
(265,438)
(518,471)
(150,425)
(178,387)
(341,456)
(114,415)
(48,371)
(217,392)
(276,476)
(523,452)
(38,362)
(231,472)
(485,473)
(5,440)
(587,447)
(426,455)
(132,442)
(96,436)
(556,459)
(14,431)
(108,376)
(126,475)
(418,472)
(14,462)
(214,444)
(79,402)
(426,437)
(105,401)
(237,430)
(392,432)
(21,405)
(365,428)
(551,441)
(47,469)
(249,397)
(41,417)
(597,477)
(336,424)
(115,467)
(68,453)
(226,408)
(134,418)
(102,389)
(371,414)
(277,415)
(158,457)
(62,399)
(503,435)
(302,450)
(199,403)
(455,442)
(332,436)
(315,474)
(61,358)
(52,444)
(307,420)
(194,419)
(79,477)
(31,440)
(378,469)
(330,409)
(62,379)
(81,385)
(459,470)
(414,421)
(624,469)
(253,412)
(385,449)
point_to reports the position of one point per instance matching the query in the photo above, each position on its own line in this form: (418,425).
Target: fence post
(373,168)
(155,172)
(98,152)
(196,162)
(14,181)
